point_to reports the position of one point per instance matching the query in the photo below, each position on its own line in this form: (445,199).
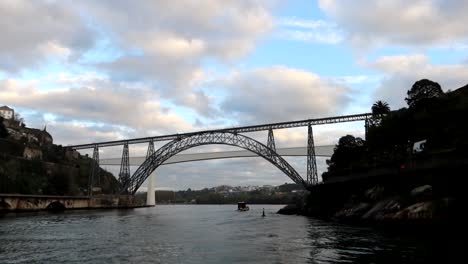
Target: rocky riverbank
(397,200)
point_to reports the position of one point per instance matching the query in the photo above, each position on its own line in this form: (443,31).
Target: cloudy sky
(105,70)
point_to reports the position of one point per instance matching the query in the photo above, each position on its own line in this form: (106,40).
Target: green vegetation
(432,115)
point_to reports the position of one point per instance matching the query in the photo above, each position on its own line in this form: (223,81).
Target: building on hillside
(6,112)
(268,187)
(46,138)
(32,153)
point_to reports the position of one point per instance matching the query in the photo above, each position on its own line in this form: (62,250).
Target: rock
(290,209)
(353,212)
(422,192)
(382,210)
(417,211)
(375,193)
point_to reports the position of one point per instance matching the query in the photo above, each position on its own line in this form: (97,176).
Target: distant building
(419,146)
(6,112)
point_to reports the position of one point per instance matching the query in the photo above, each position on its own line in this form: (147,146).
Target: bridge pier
(150,197)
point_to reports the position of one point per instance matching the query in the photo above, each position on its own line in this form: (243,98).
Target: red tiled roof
(5,108)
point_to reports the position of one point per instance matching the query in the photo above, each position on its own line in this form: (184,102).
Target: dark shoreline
(425,199)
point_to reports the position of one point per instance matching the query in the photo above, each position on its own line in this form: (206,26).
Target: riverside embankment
(27,203)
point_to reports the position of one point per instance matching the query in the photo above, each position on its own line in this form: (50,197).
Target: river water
(203,234)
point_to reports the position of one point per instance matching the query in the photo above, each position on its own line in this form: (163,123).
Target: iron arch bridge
(226,136)
(158,157)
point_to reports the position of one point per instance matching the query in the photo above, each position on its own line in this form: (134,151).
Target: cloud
(98,101)
(279,93)
(173,29)
(163,43)
(166,42)
(316,31)
(400,22)
(34,31)
(72,133)
(401,72)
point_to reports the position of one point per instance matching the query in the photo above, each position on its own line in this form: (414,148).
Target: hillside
(31,164)
(390,139)
(384,178)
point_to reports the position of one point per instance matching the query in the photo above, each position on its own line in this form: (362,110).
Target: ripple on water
(197,234)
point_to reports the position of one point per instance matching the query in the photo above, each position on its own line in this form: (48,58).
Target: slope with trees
(432,115)
(56,171)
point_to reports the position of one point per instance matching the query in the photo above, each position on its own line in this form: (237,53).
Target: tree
(348,142)
(349,155)
(380,108)
(422,91)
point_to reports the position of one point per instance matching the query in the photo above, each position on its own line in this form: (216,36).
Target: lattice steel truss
(150,149)
(94,175)
(226,138)
(312,177)
(124,175)
(271,140)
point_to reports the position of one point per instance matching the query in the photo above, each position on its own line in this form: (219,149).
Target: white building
(6,112)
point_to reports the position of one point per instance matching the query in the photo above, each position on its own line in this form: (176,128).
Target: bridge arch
(207,138)
(56,206)
(4,205)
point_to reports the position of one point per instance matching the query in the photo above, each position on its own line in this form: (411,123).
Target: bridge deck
(244,129)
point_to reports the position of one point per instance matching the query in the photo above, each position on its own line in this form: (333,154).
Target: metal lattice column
(366,126)
(271,140)
(312,177)
(124,175)
(150,149)
(94,170)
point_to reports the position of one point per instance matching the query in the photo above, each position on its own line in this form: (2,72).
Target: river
(202,234)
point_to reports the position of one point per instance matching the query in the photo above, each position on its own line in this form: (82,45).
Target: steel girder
(244,129)
(225,138)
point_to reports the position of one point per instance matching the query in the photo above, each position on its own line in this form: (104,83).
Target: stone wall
(19,203)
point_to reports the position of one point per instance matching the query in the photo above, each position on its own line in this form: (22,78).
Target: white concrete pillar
(150,198)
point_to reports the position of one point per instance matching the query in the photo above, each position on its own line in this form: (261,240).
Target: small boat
(242,206)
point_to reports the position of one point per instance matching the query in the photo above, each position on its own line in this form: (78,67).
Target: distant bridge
(169,153)
(320,151)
